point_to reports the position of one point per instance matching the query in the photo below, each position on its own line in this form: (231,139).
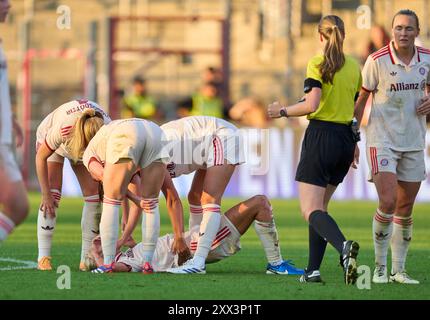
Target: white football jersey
(198,142)
(5,105)
(396,92)
(225,244)
(55,129)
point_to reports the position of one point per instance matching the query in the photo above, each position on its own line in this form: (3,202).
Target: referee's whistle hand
(424,108)
(356,160)
(274,109)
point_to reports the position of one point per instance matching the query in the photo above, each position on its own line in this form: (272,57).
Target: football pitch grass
(241,277)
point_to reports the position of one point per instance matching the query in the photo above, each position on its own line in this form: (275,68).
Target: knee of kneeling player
(264,207)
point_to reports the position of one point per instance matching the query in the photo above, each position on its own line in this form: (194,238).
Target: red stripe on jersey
(379,51)
(423,49)
(391,55)
(66,128)
(367,90)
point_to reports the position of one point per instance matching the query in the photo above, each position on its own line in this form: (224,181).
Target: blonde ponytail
(84,130)
(333,30)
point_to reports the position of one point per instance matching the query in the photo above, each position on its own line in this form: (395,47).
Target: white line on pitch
(26,264)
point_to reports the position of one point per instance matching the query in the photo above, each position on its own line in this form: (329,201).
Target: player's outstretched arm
(176,214)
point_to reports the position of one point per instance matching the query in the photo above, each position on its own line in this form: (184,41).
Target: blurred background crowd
(164,59)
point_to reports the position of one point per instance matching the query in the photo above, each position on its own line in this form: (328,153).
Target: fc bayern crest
(384,162)
(422,71)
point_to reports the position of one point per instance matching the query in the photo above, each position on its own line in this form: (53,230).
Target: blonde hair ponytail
(333,30)
(84,130)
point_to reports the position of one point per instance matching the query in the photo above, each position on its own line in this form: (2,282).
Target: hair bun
(89,112)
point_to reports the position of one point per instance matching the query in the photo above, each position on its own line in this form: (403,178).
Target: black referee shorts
(327,153)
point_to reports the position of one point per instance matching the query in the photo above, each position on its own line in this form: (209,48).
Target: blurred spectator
(205,102)
(139,104)
(379,38)
(250,112)
(212,74)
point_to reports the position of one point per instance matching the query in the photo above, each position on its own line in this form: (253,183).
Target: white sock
(150,228)
(90,222)
(196,216)
(208,230)
(109,228)
(45,228)
(402,236)
(382,231)
(6,226)
(268,235)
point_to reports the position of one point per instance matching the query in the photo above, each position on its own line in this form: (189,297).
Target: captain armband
(311,83)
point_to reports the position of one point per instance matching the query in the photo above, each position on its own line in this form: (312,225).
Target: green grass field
(239,277)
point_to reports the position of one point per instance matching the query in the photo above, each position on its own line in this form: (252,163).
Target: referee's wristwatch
(284,112)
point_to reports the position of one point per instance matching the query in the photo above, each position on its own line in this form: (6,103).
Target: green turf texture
(239,277)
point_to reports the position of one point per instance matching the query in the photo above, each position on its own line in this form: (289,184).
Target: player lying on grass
(234,223)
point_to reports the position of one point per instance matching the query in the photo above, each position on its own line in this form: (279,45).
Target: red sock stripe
(112,202)
(6,226)
(149,205)
(196,210)
(382,219)
(149,209)
(92,199)
(212,209)
(403,222)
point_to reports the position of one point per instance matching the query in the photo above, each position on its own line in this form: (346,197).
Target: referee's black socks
(327,228)
(317,246)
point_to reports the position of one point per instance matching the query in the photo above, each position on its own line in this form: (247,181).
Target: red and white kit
(200,142)
(55,129)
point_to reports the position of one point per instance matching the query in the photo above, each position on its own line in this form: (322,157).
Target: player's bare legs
(215,182)
(194,199)
(152,181)
(46,222)
(15,204)
(259,210)
(115,181)
(402,230)
(91,212)
(382,225)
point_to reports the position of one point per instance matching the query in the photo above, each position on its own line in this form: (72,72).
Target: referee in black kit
(332,85)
